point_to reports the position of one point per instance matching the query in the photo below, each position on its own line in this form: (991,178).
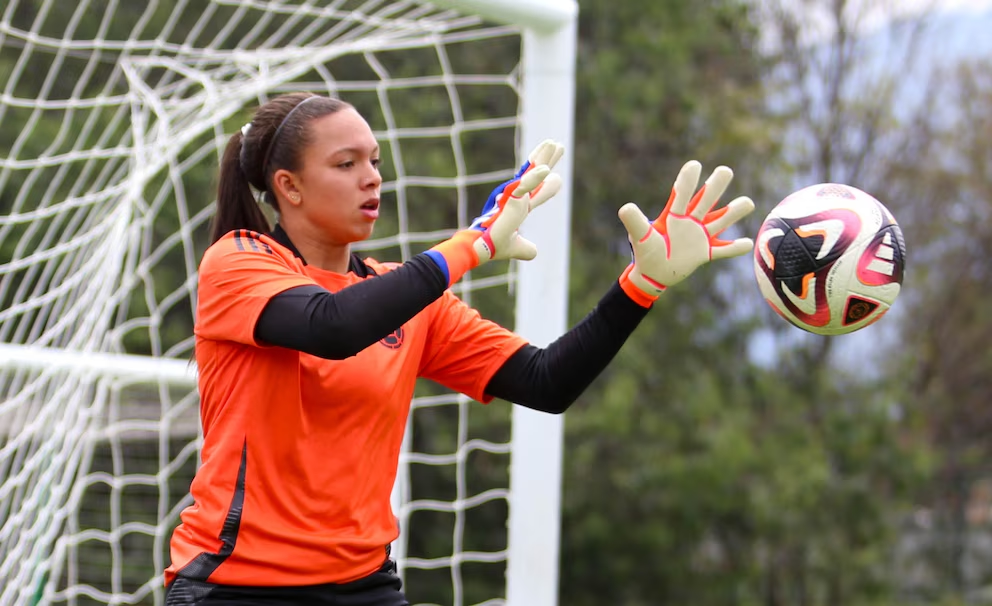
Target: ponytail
(236,204)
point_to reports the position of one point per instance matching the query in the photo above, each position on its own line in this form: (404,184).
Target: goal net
(113,116)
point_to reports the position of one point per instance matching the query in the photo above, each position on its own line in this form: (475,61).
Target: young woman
(308,354)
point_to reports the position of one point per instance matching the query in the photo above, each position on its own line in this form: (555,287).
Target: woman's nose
(373,178)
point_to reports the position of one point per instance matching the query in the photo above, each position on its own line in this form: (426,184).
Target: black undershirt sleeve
(338,325)
(551,379)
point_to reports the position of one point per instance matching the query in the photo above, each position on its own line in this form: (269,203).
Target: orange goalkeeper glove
(685,234)
(494,234)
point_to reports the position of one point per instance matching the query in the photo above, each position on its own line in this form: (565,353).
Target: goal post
(112,119)
(542,316)
(548,106)
(549,41)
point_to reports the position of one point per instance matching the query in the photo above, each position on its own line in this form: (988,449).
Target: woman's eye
(346,164)
(376,162)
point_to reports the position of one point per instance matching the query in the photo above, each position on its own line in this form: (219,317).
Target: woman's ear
(284,184)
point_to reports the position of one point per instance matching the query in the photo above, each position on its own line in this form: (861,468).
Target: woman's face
(337,187)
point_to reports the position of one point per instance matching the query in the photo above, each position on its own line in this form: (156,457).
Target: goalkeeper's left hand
(495,234)
(685,234)
(547,153)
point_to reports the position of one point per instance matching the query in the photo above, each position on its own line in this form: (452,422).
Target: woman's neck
(318,252)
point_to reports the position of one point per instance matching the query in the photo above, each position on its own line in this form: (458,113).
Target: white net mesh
(112,118)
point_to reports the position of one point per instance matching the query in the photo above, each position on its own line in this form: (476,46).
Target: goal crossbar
(544,15)
(127,367)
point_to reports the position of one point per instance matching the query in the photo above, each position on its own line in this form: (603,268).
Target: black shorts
(381,588)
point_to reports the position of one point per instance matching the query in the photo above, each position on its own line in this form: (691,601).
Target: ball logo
(858,308)
(393,340)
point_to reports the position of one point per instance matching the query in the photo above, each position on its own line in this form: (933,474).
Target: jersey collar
(355,265)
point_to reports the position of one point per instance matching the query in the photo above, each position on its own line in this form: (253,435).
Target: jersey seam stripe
(206,563)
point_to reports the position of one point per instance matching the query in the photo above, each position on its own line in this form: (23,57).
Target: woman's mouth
(371,208)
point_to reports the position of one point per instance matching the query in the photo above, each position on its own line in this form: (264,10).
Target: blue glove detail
(491,208)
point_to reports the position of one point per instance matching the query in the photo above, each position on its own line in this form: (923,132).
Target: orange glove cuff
(459,254)
(636,294)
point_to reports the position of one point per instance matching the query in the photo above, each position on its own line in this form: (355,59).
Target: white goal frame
(549,32)
(549,52)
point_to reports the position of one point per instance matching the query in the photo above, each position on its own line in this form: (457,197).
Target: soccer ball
(829,259)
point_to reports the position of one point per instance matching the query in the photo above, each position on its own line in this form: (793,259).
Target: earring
(294,197)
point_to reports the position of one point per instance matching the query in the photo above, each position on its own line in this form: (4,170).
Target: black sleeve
(551,379)
(339,325)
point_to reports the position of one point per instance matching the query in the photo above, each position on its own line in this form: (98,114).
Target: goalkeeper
(308,354)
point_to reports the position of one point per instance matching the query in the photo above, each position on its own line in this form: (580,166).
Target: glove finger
(685,186)
(738,247)
(542,153)
(547,152)
(514,212)
(728,215)
(545,191)
(720,220)
(556,153)
(521,248)
(531,179)
(637,225)
(714,187)
(535,157)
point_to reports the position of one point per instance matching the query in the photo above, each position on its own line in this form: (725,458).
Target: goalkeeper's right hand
(685,234)
(494,233)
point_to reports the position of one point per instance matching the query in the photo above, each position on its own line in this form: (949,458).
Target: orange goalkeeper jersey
(300,453)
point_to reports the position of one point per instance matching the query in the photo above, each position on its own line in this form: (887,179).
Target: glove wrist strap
(456,256)
(636,294)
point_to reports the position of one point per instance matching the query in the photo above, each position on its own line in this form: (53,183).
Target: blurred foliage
(737,481)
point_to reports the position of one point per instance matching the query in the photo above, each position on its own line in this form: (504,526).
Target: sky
(915,7)
(883,10)
(971,34)
(969,5)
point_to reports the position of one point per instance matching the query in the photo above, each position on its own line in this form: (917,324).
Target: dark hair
(275,139)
